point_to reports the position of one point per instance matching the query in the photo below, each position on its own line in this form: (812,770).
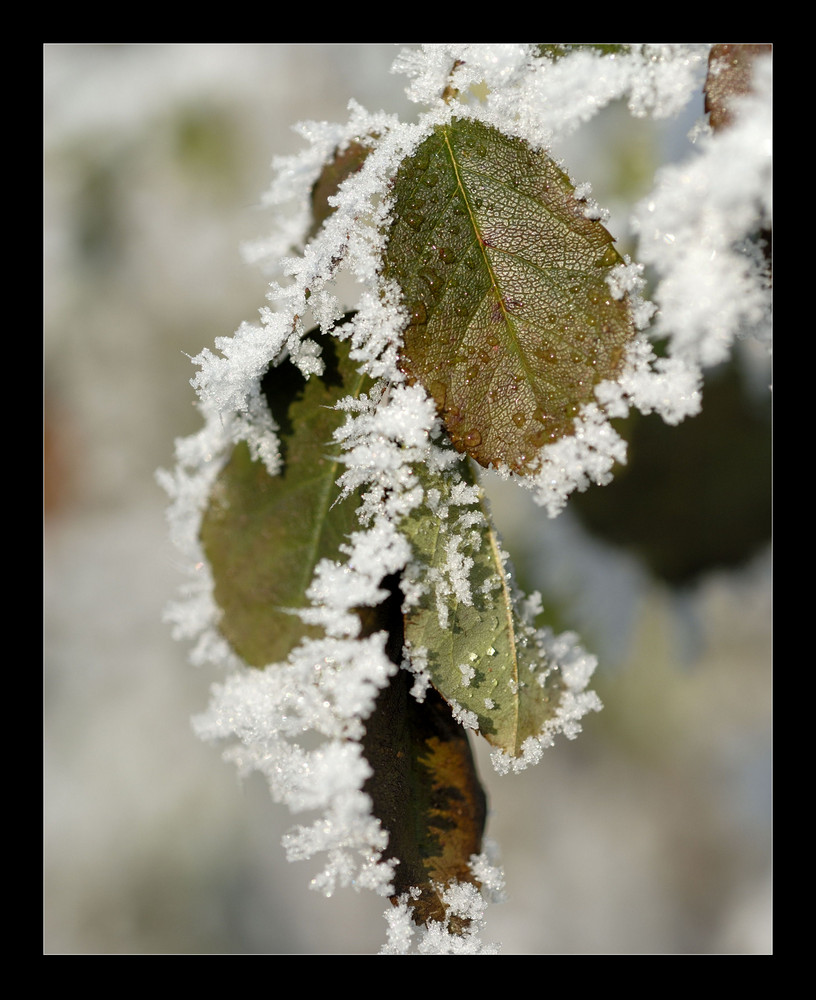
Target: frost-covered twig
(393,451)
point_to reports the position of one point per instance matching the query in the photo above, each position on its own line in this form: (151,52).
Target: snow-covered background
(648,834)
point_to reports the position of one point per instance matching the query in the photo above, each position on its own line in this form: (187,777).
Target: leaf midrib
(507,605)
(509,322)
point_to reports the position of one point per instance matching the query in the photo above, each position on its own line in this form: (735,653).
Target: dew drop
(473,439)
(432,277)
(539,438)
(608,258)
(519,419)
(419,314)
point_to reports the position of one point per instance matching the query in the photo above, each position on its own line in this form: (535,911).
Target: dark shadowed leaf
(685,476)
(264,535)
(512,323)
(424,787)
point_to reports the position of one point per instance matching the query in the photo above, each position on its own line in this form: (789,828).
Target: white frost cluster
(545,100)
(327,687)
(692,228)
(464,901)
(577,667)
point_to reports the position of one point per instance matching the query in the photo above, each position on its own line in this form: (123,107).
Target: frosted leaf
(466,905)
(576,668)
(503,276)
(466,622)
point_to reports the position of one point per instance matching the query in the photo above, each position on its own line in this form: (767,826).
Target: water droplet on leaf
(608,258)
(419,314)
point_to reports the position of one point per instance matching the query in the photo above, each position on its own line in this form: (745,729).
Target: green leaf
(482,655)
(424,787)
(264,535)
(512,323)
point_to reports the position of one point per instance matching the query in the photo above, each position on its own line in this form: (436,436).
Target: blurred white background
(649,834)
